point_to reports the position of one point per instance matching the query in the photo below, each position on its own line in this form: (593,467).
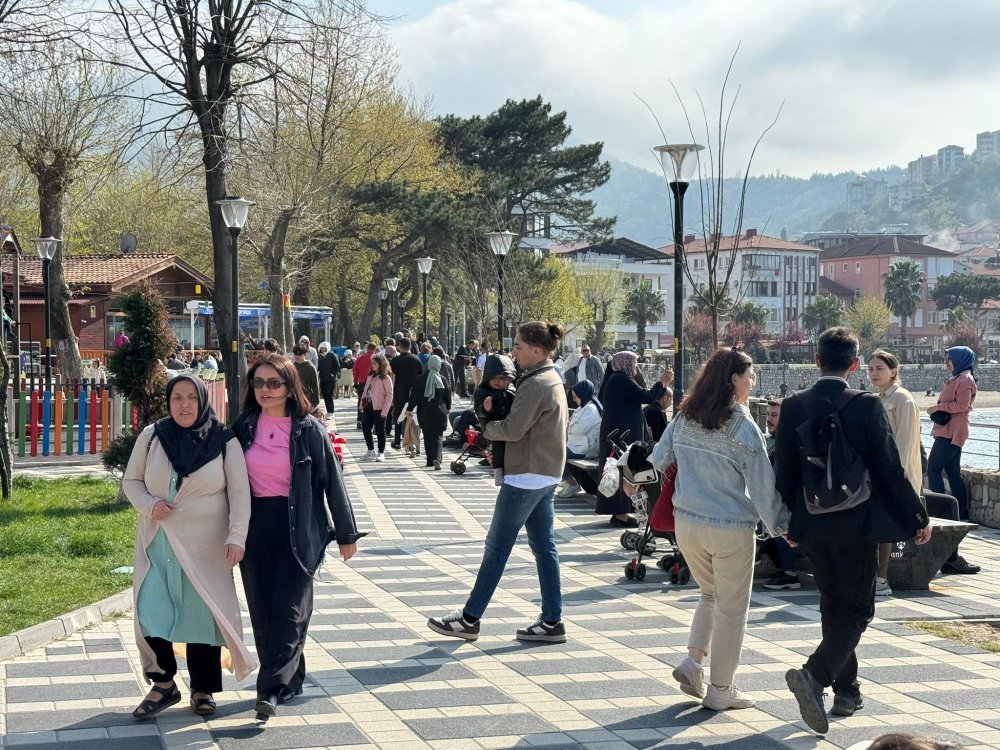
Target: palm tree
(825,312)
(749,314)
(643,306)
(902,284)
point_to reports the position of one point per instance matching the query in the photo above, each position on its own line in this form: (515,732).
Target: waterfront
(983,447)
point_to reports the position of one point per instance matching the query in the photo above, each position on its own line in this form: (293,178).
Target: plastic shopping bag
(610,478)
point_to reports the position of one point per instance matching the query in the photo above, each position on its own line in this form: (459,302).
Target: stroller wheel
(648,549)
(459,468)
(640,571)
(630,570)
(684,576)
(623,539)
(666,562)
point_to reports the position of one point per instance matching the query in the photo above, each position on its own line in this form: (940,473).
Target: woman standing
(375,406)
(299,505)
(187,478)
(951,428)
(623,399)
(582,435)
(724,486)
(430,397)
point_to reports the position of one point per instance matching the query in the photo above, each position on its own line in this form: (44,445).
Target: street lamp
(679,163)
(192,306)
(47,247)
(392,285)
(234,213)
(382,294)
(424,266)
(402,306)
(500,245)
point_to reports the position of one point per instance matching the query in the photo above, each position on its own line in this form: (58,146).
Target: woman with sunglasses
(298,506)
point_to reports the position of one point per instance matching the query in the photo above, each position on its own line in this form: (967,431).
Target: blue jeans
(947,457)
(533,510)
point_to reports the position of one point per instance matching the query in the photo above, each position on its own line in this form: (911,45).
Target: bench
(913,566)
(586,472)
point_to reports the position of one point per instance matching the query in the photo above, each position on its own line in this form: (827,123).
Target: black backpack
(834,476)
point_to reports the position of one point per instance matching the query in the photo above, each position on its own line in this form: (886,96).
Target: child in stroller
(497,385)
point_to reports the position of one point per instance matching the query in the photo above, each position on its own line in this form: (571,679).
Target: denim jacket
(724,478)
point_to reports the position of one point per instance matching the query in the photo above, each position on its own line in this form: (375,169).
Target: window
(759,262)
(857,268)
(772,315)
(932,317)
(829,269)
(757,288)
(791,313)
(857,294)
(791,287)
(774,288)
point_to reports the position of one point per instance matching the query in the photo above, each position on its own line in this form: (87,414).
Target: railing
(981,450)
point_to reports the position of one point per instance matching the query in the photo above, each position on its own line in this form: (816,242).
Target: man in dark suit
(406,368)
(842,545)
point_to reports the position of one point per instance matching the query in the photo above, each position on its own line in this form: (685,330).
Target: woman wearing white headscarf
(431,399)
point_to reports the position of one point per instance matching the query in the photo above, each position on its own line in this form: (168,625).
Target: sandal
(149,707)
(203,704)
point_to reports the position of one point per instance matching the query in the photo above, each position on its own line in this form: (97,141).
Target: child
(497,385)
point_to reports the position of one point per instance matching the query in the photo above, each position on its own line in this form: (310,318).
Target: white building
(638,263)
(950,158)
(779,275)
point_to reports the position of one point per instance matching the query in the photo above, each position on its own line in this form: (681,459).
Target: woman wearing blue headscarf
(951,425)
(583,433)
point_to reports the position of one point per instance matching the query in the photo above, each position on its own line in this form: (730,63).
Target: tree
(826,312)
(746,335)
(966,333)
(748,313)
(869,317)
(971,292)
(600,287)
(697,334)
(643,306)
(902,284)
(792,335)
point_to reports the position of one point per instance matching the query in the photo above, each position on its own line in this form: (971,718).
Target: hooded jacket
(496,364)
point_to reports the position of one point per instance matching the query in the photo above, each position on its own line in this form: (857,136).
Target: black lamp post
(679,163)
(424,266)
(382,294)
(46,247)
(392,285)
(500,245)
(401,303)
(234,213)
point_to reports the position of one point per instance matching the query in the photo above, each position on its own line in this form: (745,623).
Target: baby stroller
(474,447)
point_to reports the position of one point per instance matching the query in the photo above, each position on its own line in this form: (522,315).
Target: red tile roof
(106,270)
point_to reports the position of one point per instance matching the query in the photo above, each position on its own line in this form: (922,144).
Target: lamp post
(192,306)
(47,247)
(382,294)
(679,163)
(424,266)
(500,245)
(234,213)
(401,303)
(392,285)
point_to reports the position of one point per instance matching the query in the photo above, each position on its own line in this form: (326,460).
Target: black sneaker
(542,631)
(809,694)
(456,626)
(845,704)
(960,566)
(783,581)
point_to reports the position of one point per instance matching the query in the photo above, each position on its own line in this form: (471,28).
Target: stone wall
(984,496)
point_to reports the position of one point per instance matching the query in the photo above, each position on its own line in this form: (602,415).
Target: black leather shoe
(289,694)
(266,707)
(961,566)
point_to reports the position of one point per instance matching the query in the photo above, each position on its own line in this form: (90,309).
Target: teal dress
(169,607)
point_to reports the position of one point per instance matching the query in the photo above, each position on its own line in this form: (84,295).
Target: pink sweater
(956,398)
(379,390)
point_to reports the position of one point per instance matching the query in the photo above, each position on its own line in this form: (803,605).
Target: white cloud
(864,84)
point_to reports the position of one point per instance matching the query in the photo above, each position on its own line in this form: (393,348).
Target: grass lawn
(984,635)
(59,541)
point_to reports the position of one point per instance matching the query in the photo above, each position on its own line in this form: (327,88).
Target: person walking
(725,486)
(430,398)
(329,374)
(375,406)
(842,544)
(406,369)
(188,480)
(299,505)
(951,426)
(362,365)
(308,375)
(535,437)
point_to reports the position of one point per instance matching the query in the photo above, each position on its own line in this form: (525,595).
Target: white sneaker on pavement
(380,458)
(569,490)
(370,455)
(722,699)
(691,676)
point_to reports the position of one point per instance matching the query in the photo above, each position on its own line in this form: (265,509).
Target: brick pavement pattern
(380,679)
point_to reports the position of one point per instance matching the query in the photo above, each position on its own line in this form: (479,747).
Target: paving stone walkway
(380,679)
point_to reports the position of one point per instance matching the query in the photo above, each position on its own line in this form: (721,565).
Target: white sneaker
(882,587)
(380,458)
(719,699)
(369,456)
(691,676)
(569,490)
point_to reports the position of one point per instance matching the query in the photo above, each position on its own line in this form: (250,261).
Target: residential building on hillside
(976,235)
(823,240)
(949,159)
(983,260)
(903,194)
(779,275)
(863,192)
(924,169)
(861,265)
(988,142)
(638,263)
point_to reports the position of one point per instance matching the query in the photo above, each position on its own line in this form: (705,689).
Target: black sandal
(149,707)
(203,704)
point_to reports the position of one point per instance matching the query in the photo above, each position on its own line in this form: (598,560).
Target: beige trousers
(721,561)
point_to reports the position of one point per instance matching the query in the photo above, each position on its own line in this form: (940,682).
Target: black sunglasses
(272,384)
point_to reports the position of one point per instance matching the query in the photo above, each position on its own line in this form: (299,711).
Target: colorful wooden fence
(80,418)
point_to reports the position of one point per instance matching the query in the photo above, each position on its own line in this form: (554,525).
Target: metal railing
(981,450)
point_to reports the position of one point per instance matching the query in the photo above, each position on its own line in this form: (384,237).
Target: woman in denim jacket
(724,486)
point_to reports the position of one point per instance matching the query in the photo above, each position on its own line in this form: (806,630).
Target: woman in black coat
(623,399)
(431,399)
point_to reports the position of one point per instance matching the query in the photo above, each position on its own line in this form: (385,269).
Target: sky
(861,83)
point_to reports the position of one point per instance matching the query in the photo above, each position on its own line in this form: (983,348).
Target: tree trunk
(350,334)
(281,328)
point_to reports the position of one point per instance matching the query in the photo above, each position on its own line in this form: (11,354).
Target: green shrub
(115,457)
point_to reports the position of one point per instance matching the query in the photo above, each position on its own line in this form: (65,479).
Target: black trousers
(845,576)
(392,424)
(432,443)
(943,506)
(373,420)
(326,388)
(279,597)
(204,664)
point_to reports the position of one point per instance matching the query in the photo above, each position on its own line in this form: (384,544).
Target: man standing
(406,368)
(461,362)
(307,374)
(842,544)
(329,374)
(588,368)
(311,354)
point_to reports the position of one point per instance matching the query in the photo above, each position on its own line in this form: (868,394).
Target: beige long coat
(211,510)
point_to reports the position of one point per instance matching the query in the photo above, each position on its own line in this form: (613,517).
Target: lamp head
(424,265)
(46,247)
(679,162)
(382,294)
(392,284)
(500,242)
(234,211)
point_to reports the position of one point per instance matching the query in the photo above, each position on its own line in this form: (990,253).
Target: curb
(19,643)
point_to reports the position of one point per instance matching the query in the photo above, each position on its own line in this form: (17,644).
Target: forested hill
(639,198)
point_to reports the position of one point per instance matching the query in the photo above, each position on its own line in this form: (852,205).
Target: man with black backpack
(838,471)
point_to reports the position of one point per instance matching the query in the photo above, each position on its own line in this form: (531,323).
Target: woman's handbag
(610,477)
(940,417)
(662,517)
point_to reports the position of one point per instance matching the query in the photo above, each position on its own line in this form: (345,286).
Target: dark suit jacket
(893,513)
